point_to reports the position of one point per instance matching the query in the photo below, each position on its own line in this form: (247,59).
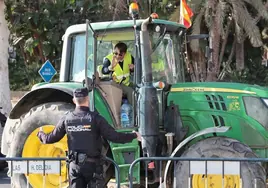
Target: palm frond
(259,7)
(196,27)
(245,22)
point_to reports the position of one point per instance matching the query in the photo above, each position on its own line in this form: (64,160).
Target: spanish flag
(185,14)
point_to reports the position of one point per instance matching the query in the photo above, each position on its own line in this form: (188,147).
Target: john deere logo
(234,106)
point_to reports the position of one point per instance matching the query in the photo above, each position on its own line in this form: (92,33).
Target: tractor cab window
(106,42)
(166,62)
(106,47)
(77,57)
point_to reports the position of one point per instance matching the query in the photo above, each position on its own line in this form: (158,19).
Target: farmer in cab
(120,64)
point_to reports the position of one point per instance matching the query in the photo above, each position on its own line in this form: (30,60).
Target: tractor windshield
(166,62)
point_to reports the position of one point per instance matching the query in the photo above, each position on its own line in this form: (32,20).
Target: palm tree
(224,19)
(5,102)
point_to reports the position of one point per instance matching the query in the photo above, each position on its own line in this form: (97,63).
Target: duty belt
(81,158)
(94,160)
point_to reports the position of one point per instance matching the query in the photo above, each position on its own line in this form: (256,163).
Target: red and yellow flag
(185,14)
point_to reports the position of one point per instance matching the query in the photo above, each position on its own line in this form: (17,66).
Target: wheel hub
(34,148)
(215,181)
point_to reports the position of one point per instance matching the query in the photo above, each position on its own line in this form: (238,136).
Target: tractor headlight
(265,101)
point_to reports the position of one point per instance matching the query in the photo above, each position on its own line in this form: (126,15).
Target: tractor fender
(191,137)
(41,95)
(37,96)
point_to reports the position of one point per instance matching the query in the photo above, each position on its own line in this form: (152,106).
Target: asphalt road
(4,180)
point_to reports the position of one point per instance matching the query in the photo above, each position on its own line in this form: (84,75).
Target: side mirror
(88,82)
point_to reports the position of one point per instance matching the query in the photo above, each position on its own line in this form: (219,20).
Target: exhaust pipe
(147,101)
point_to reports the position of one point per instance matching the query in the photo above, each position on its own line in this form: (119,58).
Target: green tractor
(203,119)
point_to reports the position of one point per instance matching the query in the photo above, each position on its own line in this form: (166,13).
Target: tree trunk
(225,40)
(214,41)
(5,101)
(239,55)
(198,66)
(214,57)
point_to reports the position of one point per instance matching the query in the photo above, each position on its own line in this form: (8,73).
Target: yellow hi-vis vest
(118,73)
(158,66)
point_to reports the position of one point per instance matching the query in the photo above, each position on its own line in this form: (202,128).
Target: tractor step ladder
(124,155)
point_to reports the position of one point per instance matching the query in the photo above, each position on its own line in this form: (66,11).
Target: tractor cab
(163,55)
(165,39)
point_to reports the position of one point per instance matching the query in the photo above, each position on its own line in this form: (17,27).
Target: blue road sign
(47,71)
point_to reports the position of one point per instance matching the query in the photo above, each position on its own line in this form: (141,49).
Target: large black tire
(3,164)
(223,148)
(45,114)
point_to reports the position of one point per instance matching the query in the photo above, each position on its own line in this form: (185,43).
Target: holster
(80,158)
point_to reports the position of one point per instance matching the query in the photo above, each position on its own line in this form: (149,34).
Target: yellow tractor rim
(34,148)
(215,181)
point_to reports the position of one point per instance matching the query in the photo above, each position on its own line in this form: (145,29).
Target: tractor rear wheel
(3,164)
(27,144)
(252,173)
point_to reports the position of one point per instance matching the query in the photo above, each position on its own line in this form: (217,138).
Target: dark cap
(80,92)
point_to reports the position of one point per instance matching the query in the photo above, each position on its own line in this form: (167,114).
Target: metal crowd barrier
(196,166)
(27,166)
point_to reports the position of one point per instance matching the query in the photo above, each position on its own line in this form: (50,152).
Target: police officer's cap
(80,92)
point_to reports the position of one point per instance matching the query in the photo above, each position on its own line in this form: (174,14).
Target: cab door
(90,63)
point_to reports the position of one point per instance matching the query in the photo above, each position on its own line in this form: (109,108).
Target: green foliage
(36,29)
(23,78)
(254,73)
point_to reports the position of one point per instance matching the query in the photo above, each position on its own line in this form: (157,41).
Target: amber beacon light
(134,8)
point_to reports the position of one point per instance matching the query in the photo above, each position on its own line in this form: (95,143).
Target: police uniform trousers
(81,175)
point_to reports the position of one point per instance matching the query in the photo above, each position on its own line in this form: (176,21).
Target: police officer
(120,64)
(84,130)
